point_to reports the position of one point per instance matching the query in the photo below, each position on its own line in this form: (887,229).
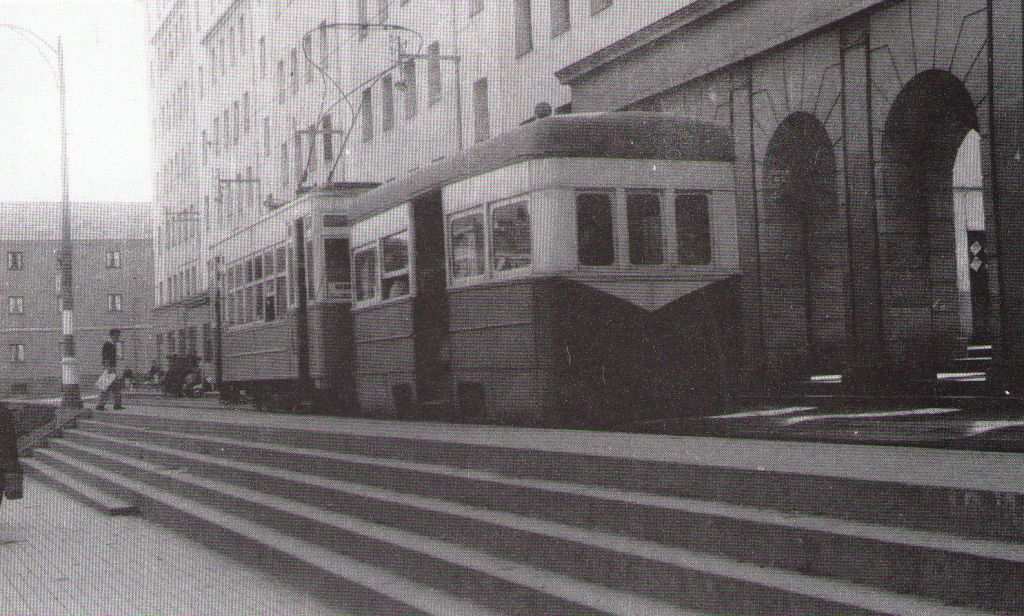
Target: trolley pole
(72,396)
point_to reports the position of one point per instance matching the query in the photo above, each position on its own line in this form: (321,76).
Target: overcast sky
(105,53)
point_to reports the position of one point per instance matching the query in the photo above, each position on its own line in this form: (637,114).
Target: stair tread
(984,548)
(413,594)
(989,471)
(104,501)
(824,588)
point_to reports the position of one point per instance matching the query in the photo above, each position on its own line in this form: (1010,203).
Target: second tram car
(583,268)
(282,304)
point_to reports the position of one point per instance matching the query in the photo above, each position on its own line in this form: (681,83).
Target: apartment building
(113,269)
(258,101)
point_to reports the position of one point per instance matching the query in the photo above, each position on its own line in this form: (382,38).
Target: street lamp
(71,392)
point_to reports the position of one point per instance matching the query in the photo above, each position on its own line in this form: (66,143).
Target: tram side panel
(260,353)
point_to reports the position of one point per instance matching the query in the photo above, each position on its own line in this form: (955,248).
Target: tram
(578,270)
(282,304)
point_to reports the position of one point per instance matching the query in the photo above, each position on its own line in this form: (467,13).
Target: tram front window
(596,245)
(337,269)
(693,229)
(365,266)
(643,215)
(467,237)
(510,229)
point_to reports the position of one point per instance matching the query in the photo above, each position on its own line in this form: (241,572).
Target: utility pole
(72,395)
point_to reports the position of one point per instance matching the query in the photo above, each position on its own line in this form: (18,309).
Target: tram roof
(621,134)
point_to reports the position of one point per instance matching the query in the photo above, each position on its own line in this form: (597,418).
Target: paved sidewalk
(60,558)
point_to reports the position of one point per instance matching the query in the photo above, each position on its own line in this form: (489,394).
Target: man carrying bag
(108,384)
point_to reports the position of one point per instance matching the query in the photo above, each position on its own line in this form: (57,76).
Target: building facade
(113,288)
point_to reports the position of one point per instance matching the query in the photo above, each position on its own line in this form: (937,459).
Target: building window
(17,353)
(15,261)
(475,6)
(113,259)
(409,88)
(383,10)
(245,112)
(643,216)
(434,72)
(595,243)
(19,388)
(481,111)
(280,81)
(307,53)
(523,27)
(362,13)
(237,116)
(468,245)
(284,164)
(387,104)
(266,136)
(328,137)
(324,48)
(16,304)
(295,69)
(114,302)
(263,56)
(693,229)
(241,35)
(561,20)
(367,114)
(596,6)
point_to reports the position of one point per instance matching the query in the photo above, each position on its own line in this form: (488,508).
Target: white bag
(106,379)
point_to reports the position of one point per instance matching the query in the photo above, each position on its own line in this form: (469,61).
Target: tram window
(510,236)
(467,235)
(594,228)
(269,306)
(247,317)
(280,260)
(394,265)
(257,268)
(337,269)
(268,263)
(365,266)
(643,215)
(248,270)
(693,229)
(281,302)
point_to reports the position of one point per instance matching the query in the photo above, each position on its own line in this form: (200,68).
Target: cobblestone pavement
(58,557)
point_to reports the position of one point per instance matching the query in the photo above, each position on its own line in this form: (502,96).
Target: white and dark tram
(579,270)
(282,304)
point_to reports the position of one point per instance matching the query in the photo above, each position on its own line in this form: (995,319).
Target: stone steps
(541,528)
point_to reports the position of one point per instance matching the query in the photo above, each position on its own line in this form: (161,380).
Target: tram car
(580,269)
(283,305)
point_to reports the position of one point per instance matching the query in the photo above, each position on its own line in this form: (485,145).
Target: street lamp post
(71,392)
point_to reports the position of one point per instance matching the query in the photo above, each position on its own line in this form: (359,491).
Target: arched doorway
(803,251)
(931,213)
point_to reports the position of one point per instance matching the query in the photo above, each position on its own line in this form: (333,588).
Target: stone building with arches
(878,172)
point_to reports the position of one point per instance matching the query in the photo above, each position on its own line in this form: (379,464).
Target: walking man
(109,357)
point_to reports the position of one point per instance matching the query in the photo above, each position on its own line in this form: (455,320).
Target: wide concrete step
(655,544)
(838,492)
(497,583)
(338,579)
(68,484)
